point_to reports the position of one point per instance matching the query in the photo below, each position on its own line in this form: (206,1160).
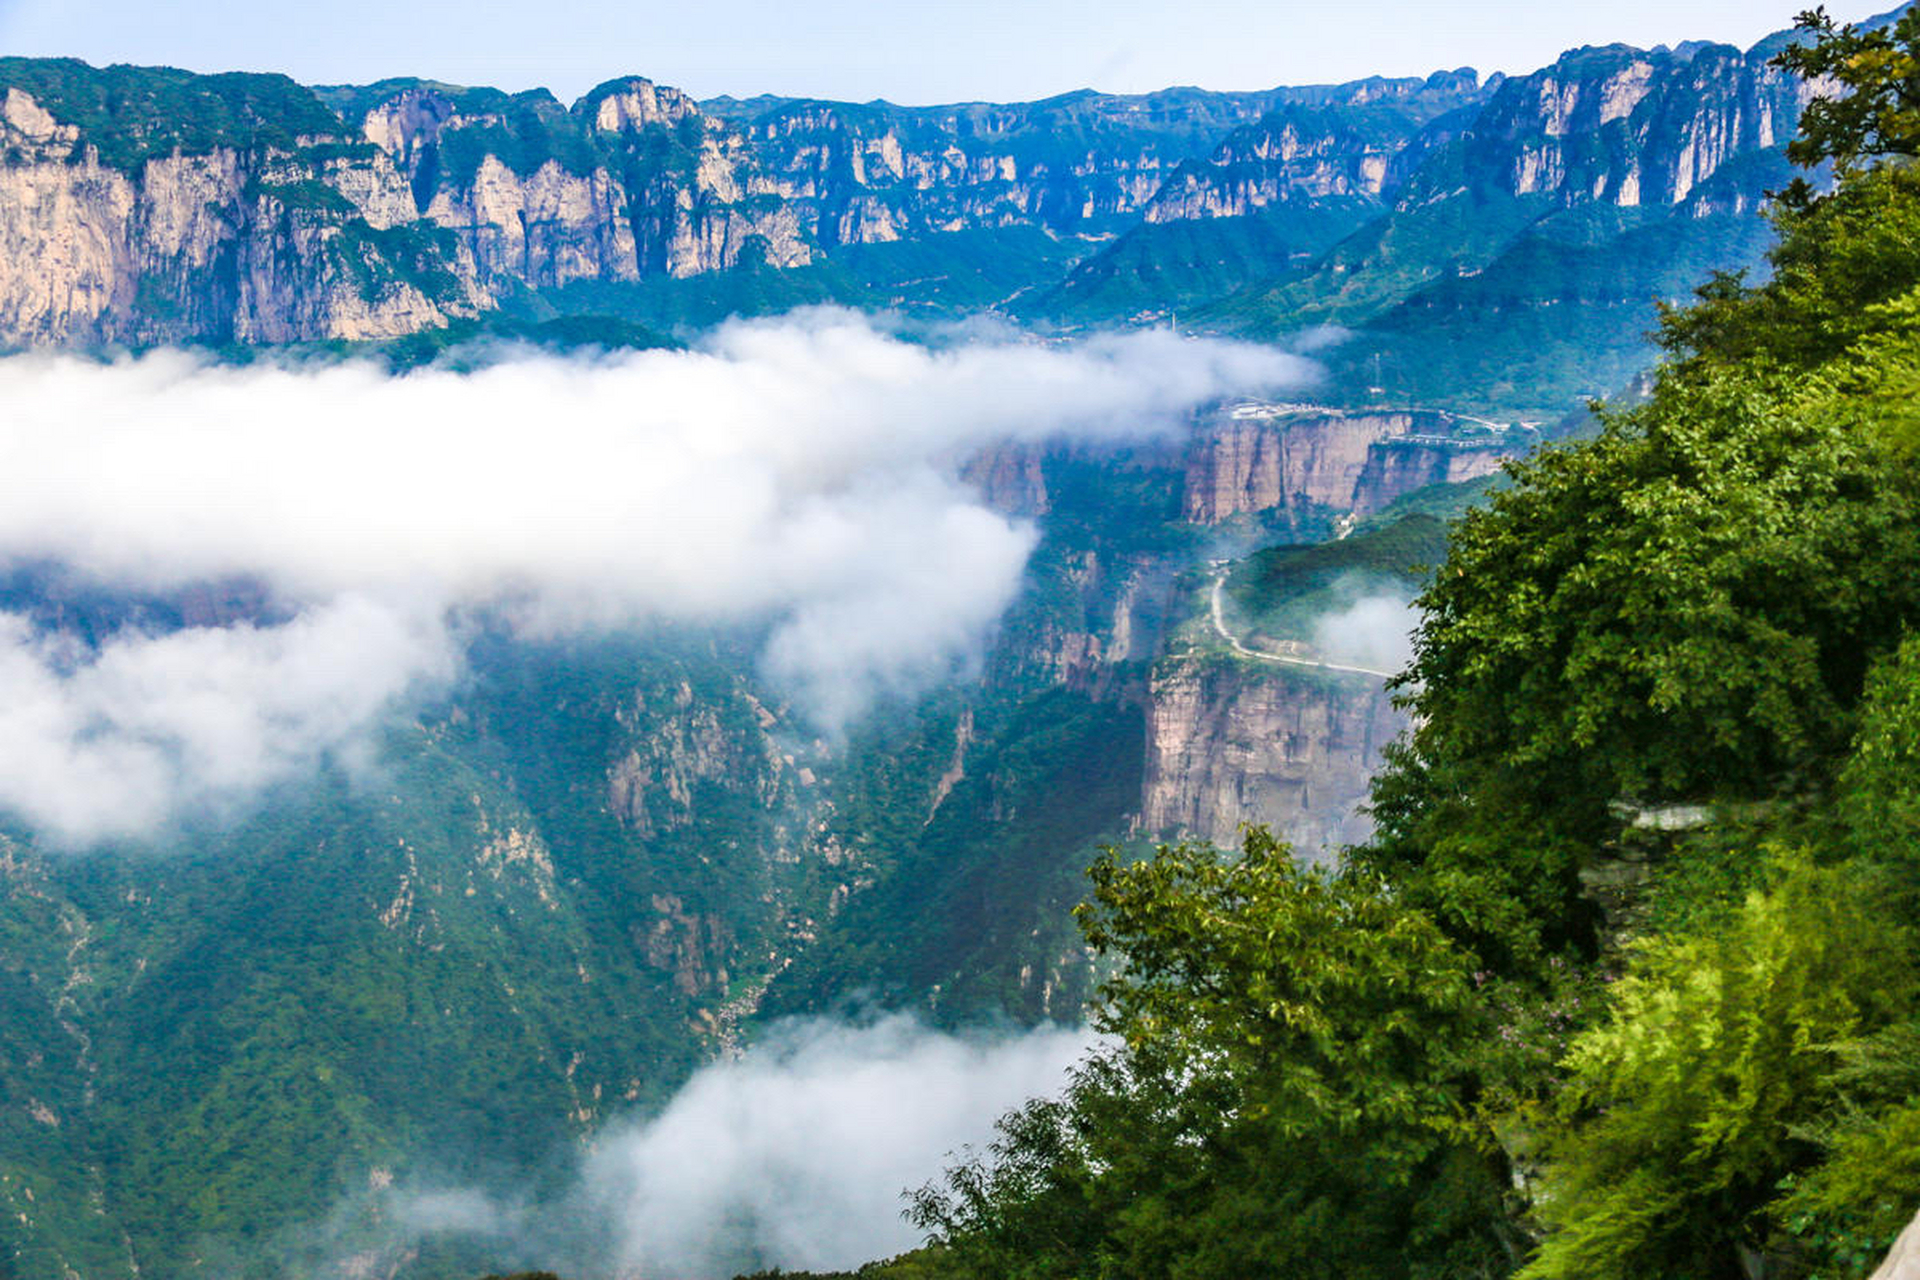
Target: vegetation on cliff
(1624,984)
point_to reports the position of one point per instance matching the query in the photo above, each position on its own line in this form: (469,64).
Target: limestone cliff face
(1231,743)
(632,181)
(430,204)
(1093,613)
(1629,127)
(1010,477)
(272,212)
(863,174)
(1253,460)
(221,246)
(1359,141)
(1396,467)
(1300,459)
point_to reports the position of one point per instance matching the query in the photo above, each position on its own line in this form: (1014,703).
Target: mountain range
(1442,218)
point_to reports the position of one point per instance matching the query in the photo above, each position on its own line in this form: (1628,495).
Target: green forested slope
(1624,985)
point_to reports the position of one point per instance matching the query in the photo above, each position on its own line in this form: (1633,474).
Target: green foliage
(1287,1098)
(1880,783)
(973,880)
(1339,1003)
(1281,590)
(1876,112)
(1682,609)
(468,343)
(959,270)
(1839,261)
(1165,265)
(133,114)
(1679,1119)
(1560,315)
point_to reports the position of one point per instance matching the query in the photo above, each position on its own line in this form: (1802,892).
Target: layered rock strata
(1231,743)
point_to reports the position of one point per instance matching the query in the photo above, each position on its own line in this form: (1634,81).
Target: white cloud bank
(114,742)
(798,472)
(798,1155)
(1374,631)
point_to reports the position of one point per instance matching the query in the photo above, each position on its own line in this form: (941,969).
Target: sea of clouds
(799,474)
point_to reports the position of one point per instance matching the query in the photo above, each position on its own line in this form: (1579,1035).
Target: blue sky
(909,52)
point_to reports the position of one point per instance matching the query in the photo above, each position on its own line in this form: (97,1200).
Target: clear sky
(914,51)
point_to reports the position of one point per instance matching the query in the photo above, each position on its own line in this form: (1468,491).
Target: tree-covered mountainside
(1624,984)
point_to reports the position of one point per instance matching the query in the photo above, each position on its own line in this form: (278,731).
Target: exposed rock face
(679,743)
(1628,127)
(1294,748)
(690,947)
(1397,467)
(862,174)
(1296,459)
(1362,141)
(221,246)
(1010,478)
(1903,1260)
(1292,459)
(1102,611)
(353,213)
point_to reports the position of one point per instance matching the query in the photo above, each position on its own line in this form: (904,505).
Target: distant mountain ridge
(147,205)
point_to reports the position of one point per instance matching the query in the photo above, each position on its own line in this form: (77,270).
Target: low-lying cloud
(798,474)
(798,1155)
(1374,631)
(107,742)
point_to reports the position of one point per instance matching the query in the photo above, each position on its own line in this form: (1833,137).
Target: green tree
(1291,1092)
(1876,112)
(1684,1111)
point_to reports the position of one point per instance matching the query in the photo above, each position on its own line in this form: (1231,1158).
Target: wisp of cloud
(1374,631)
(796,474)
(798,1155)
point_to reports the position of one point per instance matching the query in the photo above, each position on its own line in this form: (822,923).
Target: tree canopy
(1623,985)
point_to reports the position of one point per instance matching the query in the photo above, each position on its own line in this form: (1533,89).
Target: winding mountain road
(1220,568)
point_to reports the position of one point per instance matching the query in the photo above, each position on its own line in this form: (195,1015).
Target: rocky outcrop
(140,204)
(680,743)
(862,174)
(1262,458)
(1398,466)
(1362,141)
(1302,460)
(1009,477)
(421,201)
(692,947)
(225,246)
(1231,742)
(1086,618)
(1629,127)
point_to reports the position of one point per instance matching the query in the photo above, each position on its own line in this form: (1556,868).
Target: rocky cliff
(1231,742)
(1294,462)
(150,205)
(225,245)
(1629,127)
(876,172)
(1363,142)
(140,204)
